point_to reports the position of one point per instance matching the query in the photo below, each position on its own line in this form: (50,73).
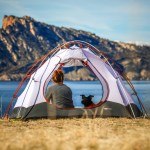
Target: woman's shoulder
(51,87)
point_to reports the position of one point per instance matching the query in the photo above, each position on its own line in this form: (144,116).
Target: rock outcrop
(24,40)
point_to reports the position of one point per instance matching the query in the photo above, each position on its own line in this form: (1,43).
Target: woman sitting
(59,93)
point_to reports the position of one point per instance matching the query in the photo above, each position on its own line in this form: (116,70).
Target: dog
(87,101)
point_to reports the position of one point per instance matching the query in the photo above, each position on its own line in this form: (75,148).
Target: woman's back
(61,95)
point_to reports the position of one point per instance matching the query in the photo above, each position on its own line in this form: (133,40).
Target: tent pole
(128,100)
(27,75)
(114,73)
(143,108)
(135,93)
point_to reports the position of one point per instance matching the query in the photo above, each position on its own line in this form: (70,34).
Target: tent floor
(45,110)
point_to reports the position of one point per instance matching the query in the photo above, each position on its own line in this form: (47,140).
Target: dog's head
(87,101)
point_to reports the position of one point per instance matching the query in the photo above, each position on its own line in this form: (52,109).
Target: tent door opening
(84,77)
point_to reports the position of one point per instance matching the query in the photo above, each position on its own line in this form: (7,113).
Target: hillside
(24,40)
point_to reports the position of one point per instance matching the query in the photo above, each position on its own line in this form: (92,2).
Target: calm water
(78,88)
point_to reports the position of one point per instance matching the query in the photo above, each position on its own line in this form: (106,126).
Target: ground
(76,134)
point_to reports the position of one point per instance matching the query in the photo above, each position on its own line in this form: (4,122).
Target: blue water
(78,88)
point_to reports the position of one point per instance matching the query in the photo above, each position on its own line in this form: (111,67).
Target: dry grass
(76,134)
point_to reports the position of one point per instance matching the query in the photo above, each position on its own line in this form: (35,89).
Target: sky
(117,20)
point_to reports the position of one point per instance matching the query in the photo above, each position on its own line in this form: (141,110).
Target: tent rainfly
(116,100)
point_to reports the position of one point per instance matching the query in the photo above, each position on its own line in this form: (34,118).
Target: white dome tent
(116,100)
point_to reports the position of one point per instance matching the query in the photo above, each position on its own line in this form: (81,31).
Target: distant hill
(24,40)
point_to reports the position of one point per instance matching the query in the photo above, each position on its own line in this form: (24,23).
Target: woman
(59,93)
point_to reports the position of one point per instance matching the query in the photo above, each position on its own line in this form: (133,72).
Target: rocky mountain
(24,40)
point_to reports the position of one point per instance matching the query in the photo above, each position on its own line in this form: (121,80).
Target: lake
(7,89)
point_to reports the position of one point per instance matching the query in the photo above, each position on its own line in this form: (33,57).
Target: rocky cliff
(24,40)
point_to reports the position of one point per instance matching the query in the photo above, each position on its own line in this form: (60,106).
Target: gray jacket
(60,95)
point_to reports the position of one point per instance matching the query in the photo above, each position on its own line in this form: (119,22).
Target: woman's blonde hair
(58,76)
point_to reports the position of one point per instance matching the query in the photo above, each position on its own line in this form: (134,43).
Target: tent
(116,100)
